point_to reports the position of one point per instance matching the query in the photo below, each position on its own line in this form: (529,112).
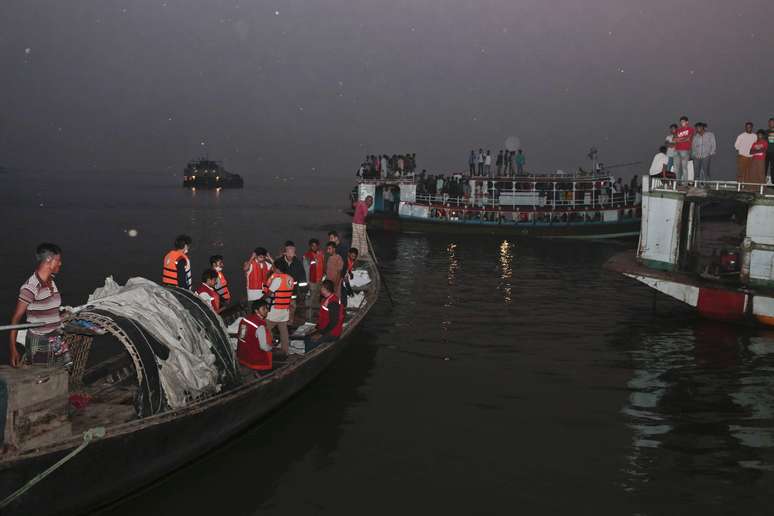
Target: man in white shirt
(670,146)
(743,157)
(488,163)
(660,164)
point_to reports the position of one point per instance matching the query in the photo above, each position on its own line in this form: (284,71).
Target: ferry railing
(675,185)
(598,201)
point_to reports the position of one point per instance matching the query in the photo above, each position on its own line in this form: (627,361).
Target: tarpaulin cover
(190,368)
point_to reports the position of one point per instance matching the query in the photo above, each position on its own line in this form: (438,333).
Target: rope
(89,435)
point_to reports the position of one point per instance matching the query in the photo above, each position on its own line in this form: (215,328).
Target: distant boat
(550,205)
(205,173)
(720,264)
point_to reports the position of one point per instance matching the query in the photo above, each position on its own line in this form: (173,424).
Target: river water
(508,376)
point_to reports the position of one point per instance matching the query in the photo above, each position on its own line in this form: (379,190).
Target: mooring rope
(88,436)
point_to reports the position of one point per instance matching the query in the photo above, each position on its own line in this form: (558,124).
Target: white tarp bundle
(190,367)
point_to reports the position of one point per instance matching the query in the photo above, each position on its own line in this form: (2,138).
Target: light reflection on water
(506,270)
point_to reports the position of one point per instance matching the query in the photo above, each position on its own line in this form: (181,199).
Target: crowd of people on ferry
(688,151)
(385,166)
(507,163)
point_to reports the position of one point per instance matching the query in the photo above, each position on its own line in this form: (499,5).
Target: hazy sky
(308,87)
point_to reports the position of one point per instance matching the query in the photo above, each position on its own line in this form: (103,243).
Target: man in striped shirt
(39,299)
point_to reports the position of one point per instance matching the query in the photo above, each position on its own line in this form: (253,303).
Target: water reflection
(701,401)
(506,270)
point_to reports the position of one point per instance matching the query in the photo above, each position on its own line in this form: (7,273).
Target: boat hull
(120,464)
(711,300)
(629,228)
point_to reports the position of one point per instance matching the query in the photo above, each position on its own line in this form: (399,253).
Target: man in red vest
(206,291)
(280,287)
(330,322)
(314,263)
(254,340)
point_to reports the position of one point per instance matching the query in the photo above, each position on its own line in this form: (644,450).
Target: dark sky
(308,87)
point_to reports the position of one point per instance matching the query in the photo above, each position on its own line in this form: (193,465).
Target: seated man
(254,340)
(330,322)
(660,164)
(206,291)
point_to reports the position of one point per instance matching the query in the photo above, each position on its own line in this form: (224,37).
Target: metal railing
(544,200)
(675,185)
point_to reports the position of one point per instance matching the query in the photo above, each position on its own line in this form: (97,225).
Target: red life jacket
(169,272)
(221,287)
(249,351)
(210,292)
(284,294)
(324,318)
(258,275)
(316,266)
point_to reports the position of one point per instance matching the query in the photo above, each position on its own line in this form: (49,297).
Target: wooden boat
(209,174)
(722,268)
(137,450)
(549,206)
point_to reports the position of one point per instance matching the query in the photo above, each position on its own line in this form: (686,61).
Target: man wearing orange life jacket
(280,288)
(314,263)
(330,322)
(257,271)
(206,291)
(254,342)
(177,265)
(221,286)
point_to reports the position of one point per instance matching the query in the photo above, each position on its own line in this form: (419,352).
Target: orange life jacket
(249,352)
(284,294)
(169,273)
(221,287)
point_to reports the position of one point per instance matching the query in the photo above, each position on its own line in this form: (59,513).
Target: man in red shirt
(359,236)
(314,263)
(683,141)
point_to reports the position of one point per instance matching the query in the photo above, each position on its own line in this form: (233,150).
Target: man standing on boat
(40,300)
(520,161)
(743,157)
(177,265)
(359,235)
(280,286)
(683,143)
(334,267)
(257,271)
(703,148)
(770,153)
(314,263)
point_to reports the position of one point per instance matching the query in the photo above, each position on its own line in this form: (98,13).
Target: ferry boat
(205,173)
(552,205)
(723,268)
